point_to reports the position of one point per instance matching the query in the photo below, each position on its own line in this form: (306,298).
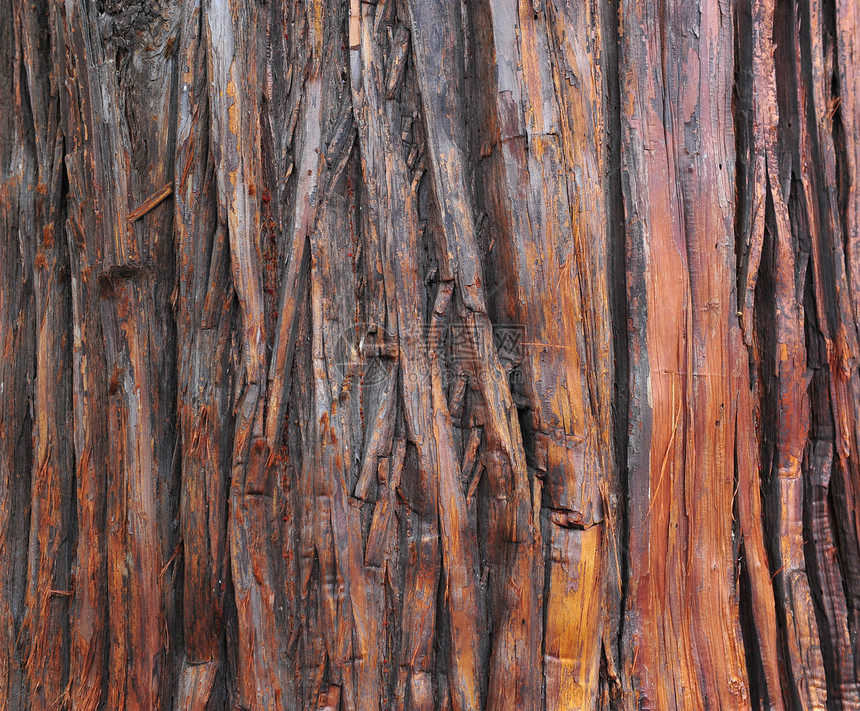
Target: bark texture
(429,354)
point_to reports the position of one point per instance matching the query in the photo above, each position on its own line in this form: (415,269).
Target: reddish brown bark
(425,354)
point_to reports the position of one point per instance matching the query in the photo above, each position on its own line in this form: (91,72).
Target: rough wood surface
(429,354)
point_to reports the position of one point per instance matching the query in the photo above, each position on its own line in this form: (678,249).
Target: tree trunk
(429,354)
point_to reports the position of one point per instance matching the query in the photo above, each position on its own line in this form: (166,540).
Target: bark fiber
(429,354)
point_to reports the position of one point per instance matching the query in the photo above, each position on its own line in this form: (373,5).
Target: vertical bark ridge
(50,523)
(678,157)
(764,647)
(45,630)
(821,176)
(515,532)
(18,178)
(88,673)
(549,129)
(392,206)
(205,308)
(124,273)
(234,114)
(846,115)
(352,593)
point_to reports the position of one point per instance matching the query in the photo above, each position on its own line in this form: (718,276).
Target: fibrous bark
(429,354)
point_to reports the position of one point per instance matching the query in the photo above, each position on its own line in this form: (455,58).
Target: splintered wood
(366,355)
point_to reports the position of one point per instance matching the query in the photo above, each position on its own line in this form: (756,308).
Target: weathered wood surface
(429,354)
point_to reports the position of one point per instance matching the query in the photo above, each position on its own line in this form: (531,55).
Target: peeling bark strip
(427,354)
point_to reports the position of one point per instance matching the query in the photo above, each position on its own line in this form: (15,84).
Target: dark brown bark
(429,354)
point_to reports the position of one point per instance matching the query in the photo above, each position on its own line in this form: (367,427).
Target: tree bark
(429,354)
